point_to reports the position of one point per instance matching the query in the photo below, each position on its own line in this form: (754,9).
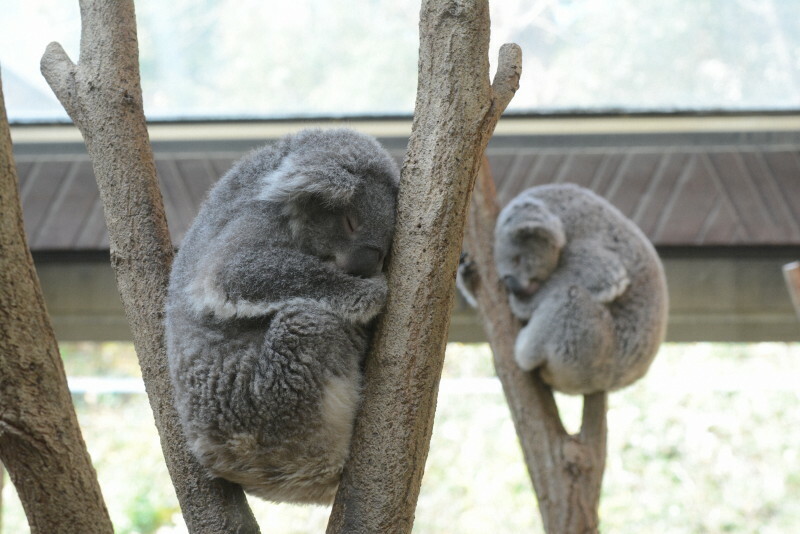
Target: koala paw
(367,301)
(611,290)
(467,279)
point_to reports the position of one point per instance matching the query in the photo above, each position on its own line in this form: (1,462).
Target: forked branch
(102,95)
(456,112)
(566,470)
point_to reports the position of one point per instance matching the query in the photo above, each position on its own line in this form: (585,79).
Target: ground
(706,443)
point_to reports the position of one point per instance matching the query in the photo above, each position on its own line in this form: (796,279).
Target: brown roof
(708,196)
(679,195)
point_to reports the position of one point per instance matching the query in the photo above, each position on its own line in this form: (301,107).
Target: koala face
(528,242)
(349,236)
(337,193)
(525,259)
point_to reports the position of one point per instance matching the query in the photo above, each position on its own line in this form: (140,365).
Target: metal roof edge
(510,125)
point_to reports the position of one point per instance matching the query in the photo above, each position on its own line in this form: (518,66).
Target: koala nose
(511,283)
(364,262)
(521,291)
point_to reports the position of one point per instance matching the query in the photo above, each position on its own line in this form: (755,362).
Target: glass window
(654,55)
(222,59)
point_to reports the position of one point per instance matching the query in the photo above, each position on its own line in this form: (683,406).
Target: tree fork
(102,95)
(566,470)
(456,111)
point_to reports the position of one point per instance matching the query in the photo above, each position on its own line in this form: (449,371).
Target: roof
(682,191)
(677,196)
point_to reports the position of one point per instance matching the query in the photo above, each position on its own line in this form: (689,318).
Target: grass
(708,442)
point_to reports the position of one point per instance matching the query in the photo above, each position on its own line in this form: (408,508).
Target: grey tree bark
(40,440)
(456,111)
(566,470)
(102,95)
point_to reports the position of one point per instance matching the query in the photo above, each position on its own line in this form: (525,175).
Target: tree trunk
(102,95)
(456,111)
(566,470)
(40,440)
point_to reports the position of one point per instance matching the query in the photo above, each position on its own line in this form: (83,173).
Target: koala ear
(551,230)
(289,184)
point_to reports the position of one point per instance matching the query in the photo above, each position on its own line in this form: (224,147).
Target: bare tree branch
(791,274)
(40,440)
(455,115)
(103,96)
(566,470)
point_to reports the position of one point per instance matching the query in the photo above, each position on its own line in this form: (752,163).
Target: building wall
(715,295)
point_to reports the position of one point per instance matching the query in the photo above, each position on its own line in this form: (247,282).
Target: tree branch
(506,78)
(566,470)
(791,274)
(40,440)
(102,95)
(456,111)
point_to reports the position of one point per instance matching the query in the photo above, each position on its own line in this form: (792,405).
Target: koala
(271,306)
(587,284)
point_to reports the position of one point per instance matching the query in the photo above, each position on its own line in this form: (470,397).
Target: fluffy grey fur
(587,283)
(270,311)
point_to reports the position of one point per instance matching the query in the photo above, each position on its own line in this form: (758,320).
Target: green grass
(708,442)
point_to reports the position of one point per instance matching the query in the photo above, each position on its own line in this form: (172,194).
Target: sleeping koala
(587,283)
(271,307)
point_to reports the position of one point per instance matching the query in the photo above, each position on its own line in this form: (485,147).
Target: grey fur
(271,306)
(587,283)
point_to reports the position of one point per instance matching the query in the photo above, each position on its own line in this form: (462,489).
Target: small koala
(587,284)
(271,306)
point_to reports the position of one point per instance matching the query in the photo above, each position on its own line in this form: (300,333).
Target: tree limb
(566,471)
(40,440)
(791,274)
(456,111)
(102,95)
